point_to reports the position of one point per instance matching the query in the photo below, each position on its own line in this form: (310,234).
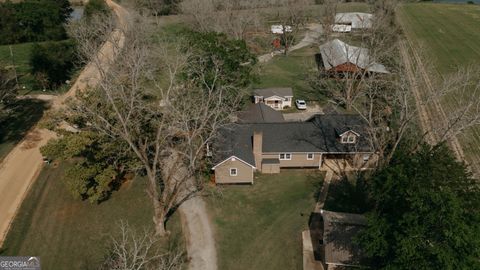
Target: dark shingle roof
(274,91)
(319,134)
(339,231)
(260,113)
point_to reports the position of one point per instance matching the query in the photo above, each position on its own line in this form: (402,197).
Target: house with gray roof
(338,56)
(259,113)
(244,148)
(338,249)
(278,98)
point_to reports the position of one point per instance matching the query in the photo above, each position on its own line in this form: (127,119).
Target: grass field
(21,53)
(450,37)
(290,71)
(259,227)
(73,234)
(450,33)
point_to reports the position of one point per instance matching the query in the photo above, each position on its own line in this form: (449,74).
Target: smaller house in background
(356,20)
(276,98)
(338,56)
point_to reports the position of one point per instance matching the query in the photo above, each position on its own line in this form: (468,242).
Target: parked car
(301,104)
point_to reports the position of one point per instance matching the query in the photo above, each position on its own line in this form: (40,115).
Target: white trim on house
(285,156)
(233,174)
(350,130)
(230,159)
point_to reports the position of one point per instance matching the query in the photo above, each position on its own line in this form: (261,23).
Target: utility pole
(13,63)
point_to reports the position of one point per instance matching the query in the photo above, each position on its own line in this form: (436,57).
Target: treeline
(33,21)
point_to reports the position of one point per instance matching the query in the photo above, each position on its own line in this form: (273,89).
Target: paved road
(303,115)
(22,165)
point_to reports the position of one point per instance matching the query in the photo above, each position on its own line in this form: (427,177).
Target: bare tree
(133,250)
(202,13)
(166,125)
(293,15)
(327,17)
(231,17)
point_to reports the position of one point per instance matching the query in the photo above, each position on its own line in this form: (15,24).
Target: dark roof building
(339,231)
(321,134)
(260,113)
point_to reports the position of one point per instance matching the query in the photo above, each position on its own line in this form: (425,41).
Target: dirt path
(199,236)
(426,116)
(196,225)
(311,36)
(22,165)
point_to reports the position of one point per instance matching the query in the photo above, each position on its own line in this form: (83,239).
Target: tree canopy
(233,56)
(95,173)
(33,21)
(53,62)
(95,7)
(426,213)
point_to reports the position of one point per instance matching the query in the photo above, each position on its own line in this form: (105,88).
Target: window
(285,156)
(350,138)
(233,171)
(310,156)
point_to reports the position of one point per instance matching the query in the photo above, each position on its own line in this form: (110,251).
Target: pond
(77,13)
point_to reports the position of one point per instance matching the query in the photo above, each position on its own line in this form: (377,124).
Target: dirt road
(22,165)
(311,36)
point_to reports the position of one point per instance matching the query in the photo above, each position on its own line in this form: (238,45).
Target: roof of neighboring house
(274,91)
(356,19)
(260,113)
(337,52)
(319,134)
(339,230)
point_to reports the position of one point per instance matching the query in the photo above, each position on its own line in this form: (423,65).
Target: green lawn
(24,114)
(259,227)
(21,53)
(290,71)
(450,35)
(73,234)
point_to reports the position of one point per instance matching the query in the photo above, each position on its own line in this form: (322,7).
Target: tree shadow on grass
(348,195)
(21,116)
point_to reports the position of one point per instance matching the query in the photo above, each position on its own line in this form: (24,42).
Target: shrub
(95,7)
(53,62)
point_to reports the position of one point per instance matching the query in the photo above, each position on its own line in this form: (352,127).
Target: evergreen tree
(426,214)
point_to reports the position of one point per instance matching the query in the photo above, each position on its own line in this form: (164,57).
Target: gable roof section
(234,140)
(319,134)
(229,158)
(356,19)
(339,230)
(274,91)
(336,52)
(260,113)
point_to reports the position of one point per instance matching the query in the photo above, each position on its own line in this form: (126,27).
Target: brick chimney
(257,149)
